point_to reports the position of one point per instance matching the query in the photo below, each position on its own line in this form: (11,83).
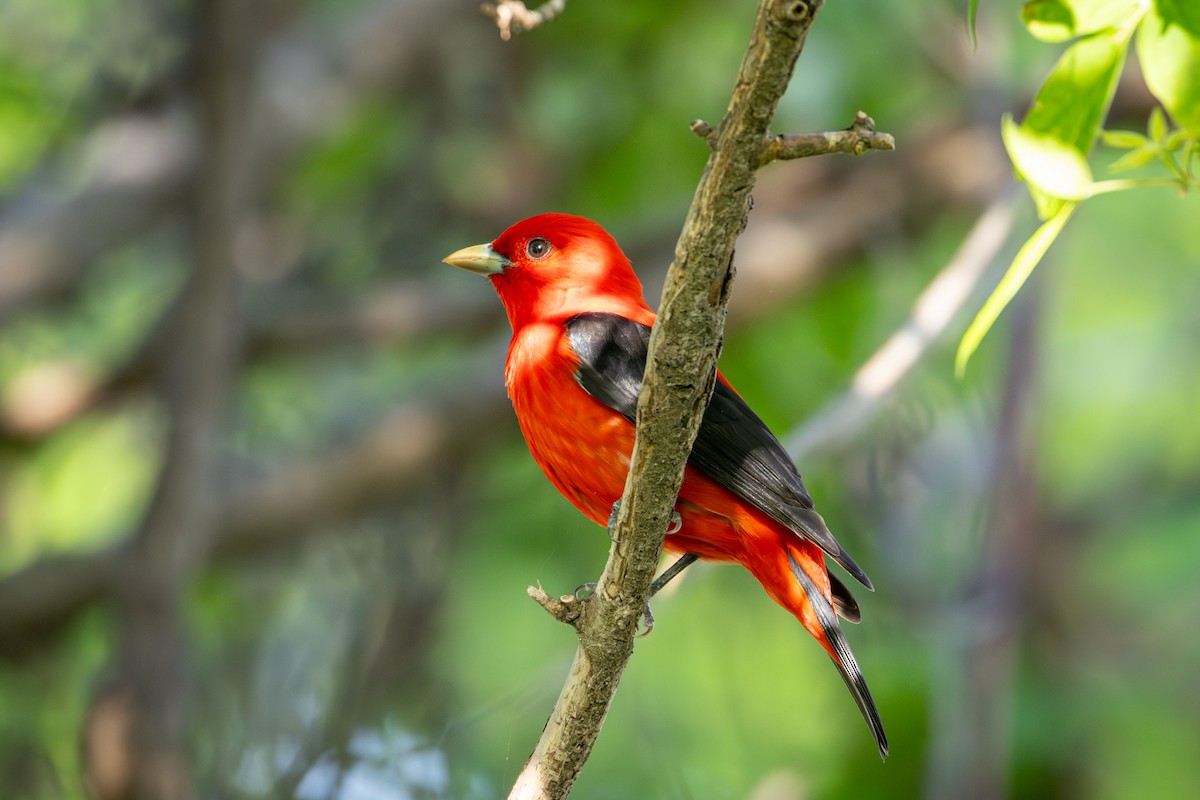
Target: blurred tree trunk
(971,757)
(195,366)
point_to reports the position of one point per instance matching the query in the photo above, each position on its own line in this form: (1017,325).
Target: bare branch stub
(567,609)
(513,16)
(705,131)
(860,137)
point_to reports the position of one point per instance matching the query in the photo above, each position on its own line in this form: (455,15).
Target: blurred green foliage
(728,698)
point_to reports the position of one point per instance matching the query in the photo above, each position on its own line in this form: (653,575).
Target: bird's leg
(662,580)
(685,560)
(668,575)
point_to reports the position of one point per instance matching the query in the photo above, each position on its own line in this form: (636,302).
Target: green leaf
(1177,138)
(972,13)
(1156,125)
(1122,140)
(1018,272)
(1169,51)
(1066,115)
(1184,13)
(1061,20)
(1074,99)
(1051,165)
(1136,158)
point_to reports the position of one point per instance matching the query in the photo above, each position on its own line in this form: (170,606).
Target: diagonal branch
(305,497)
(678,382)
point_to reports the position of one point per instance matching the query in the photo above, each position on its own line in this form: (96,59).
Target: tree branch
(394,456)
(47,396)
(513,16)
(678,382)
(860,137)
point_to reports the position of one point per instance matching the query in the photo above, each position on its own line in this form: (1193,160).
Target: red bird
(581,328)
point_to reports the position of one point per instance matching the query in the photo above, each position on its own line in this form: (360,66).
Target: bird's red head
(556,265)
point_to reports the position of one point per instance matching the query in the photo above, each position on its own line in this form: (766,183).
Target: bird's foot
(612,521)
(674,526)
(584,591)
(647,620)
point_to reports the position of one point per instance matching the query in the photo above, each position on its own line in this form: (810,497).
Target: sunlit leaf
(1061,20)
(1169,51)
(1066,115)
(1136,158)
(1156,125)
(1177,138)
(972,13)
(1074,99)
(1046,162)
(1018,272)
(1122,140)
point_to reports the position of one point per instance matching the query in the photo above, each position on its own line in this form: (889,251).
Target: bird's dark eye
(537,249)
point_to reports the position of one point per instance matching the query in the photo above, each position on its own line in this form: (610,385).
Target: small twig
(513,16)
(860,137)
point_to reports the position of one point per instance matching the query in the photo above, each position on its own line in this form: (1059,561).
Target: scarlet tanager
(580,333)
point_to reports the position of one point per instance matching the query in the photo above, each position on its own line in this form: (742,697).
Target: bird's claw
(612,521)
(674,526)
(584,590)
(648,621)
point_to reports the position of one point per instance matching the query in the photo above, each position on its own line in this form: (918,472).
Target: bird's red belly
(584,448)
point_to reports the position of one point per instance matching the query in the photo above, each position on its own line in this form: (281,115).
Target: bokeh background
(264,509)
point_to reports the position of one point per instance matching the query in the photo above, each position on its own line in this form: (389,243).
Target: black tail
(847,666)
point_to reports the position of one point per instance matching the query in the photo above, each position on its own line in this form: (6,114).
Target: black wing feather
(734,447)
(612,358)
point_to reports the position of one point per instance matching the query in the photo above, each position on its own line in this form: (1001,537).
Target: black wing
(734,447)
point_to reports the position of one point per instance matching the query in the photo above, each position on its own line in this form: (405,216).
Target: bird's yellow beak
(480,258)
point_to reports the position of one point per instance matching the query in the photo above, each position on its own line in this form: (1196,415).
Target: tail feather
(843,657)
(844,602)
(812,527)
